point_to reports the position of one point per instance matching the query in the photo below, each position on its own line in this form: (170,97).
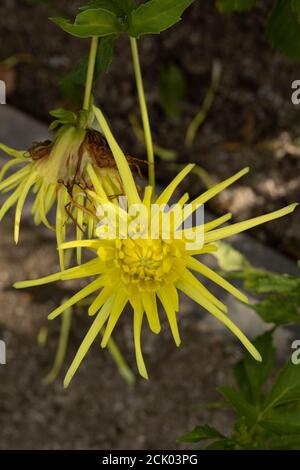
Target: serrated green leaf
(229,6)
(250,374)
(278,309)
(286,388)
(200,433)
(172,90)
(156,16)
(283,423)
(283,29)
(92,22)
(119,7)
(239,403)
(72,83)
(263,282)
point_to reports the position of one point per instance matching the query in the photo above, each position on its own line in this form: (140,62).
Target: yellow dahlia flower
(59,173)
(140,266)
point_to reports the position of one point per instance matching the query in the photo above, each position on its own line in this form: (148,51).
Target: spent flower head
(59,173)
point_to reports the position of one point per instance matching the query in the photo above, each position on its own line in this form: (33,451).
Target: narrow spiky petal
(7,166)
(199,267)
(197,297)
(171,314)
(60,224)
(239,227)
(25,190)
(87,342)
(137,329)
(82,294)
(120,300)
(12,152)
(150,307)
(166,195)
(190,279)
(121,162)
(79,226)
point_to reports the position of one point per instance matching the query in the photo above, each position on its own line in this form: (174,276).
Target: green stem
(90,73)
(144,111)
(117,356)
(62,347)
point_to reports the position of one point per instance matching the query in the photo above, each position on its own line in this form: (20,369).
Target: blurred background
(224,61)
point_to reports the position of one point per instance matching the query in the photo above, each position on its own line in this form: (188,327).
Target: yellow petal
(171,314)
(85,292)
(87,342)
(92,244)
(62,197)
(210,193)
(25,190)
(148,196)
(195,265)
(168,192)
(190,279)
(79,226)
(12,152)
(15,177)
(97,183)
(150,307)
(185,288)
(7,167)
(120,159)
(137,328)
(218,188)
(100,300)
(119,303)
(10,202)
(217,222)
(225,232)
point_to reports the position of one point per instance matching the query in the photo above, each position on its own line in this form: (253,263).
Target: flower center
(146,264)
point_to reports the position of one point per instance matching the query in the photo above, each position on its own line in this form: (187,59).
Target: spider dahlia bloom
(59,173)
(138,271)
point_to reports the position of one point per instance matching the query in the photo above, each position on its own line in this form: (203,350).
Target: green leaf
(283,423)
(250,374)
(72,83)
(278,309)
(221,444)
(285,443)
(229,6)
(92,22)
(263,282)
(239,403)
(283,28)
(156,16)
(172,90)
(286,388)
(63,116)
(120,7)
(200,433)
(295,4)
